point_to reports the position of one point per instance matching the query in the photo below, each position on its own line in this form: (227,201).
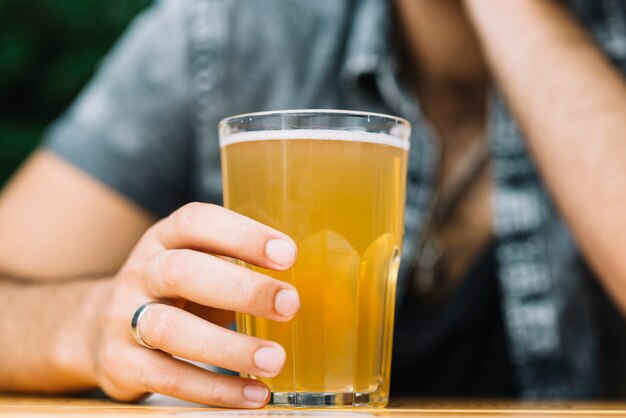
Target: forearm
(571,105)
(45,332)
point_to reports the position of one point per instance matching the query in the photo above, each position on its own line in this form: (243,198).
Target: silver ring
(134,323)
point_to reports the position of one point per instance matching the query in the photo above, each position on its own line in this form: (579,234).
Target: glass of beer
(335,182)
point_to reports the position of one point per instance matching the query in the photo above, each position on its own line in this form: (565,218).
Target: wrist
(75,344)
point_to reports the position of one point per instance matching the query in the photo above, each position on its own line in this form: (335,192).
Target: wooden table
(20,406)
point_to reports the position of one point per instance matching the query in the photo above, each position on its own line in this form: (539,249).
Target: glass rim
(304,112)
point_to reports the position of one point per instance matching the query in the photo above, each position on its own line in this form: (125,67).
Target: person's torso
(328,54)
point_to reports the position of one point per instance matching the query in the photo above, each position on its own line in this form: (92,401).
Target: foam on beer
(315,134)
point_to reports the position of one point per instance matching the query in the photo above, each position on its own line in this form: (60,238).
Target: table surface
(22,406)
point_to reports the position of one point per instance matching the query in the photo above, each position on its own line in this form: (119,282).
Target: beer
(340,196)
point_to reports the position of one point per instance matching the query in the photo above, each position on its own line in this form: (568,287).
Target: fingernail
(280,251)
(269,359)
(255,393)
(287,303)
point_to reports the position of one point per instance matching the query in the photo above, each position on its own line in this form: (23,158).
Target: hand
(179,260)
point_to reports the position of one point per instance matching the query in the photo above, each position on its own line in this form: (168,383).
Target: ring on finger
(134,323)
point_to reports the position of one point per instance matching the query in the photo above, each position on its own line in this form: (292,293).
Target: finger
(160,373)
(210,281)
(214,229)
(182,334)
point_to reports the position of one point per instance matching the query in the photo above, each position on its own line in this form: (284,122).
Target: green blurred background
(48,51)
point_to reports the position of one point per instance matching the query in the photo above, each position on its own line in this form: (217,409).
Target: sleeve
(130,128)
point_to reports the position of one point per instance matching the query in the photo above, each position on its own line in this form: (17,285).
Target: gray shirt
(146,126)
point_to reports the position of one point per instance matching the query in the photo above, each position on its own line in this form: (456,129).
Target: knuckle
(123,395)
(251,290)
(134,267)
(240,242)
(152,233)
(158,325)
(212,208)
(169,383)
(217,392)
(161,380)
(228,351)
(120,388)
(257,292)
(247,237)
(116,373)
(108,358)
(174,268)
(185,217)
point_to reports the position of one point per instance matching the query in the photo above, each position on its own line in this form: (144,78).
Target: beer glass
(335,182)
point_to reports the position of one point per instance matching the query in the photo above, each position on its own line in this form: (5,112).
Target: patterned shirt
(146,126)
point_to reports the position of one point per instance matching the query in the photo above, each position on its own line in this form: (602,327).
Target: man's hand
(85,325)
(178,260)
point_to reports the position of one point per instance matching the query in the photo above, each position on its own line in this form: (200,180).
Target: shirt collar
(368,38)
(371,54)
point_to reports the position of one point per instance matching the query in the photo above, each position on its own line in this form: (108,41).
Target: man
(81,248)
